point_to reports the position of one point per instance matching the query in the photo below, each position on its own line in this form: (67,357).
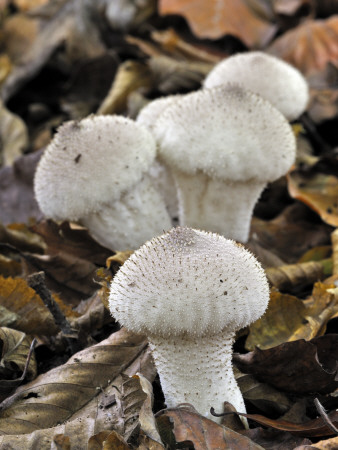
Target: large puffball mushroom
(161,175)
(223,145)
(95,172)
(272,78)
(189,291)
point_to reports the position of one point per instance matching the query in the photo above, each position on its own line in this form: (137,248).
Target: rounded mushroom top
(272,78)
(90,163)
(150,112)
(228,133)
(188,282)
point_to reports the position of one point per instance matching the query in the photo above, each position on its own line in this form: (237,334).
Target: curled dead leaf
(281,366)
(310,46)
(215,19)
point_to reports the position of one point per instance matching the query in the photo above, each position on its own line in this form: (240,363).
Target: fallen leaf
(313,428)
(318,191)
(55,396)
(13,135)
(16,191)
(204,434)
(107,440)
(289,319)
(32,315)
(310,46)
(218,18)
(282,367)
(30,40)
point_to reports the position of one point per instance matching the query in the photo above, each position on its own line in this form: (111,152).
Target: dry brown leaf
(130,76)
(204,434)
(15,347)
(31,39)
(289,319)
(20,237)
(299,275)
(26,5)
(310,46)
(16,191)
(283,368)
(328,444)
(334,239)
(13,135)
(107,440)
(319,191)
(55,396)
(217,18)
(33,317)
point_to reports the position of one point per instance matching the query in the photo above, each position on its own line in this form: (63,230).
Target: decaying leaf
(319,191)
(218,18)
(289,319)
(291,233)
(310,46)
(31,40)
(32,315)
(334,237)
(282,367)
(204,434)
(297,276)
(130,76)
(16,191)
(313,428)
(55,396)
(13,136)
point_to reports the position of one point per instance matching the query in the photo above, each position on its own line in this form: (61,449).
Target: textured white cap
(228,133)
(188,282)
(150,112)
(272,78)
(90,163)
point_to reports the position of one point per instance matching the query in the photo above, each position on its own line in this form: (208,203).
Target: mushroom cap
(228,133)
(90,163)
(274,79)
(150,112)
(188,282)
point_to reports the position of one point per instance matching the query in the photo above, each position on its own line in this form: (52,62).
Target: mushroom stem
(221,206)
(132,210)
(207,385)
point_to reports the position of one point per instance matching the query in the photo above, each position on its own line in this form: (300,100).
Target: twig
(28,359)
(324,416)
(37,282)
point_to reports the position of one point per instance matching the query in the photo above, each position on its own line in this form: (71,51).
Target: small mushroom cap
(90,163)
(150,112)
(272,78)
(188,282)
(228,133)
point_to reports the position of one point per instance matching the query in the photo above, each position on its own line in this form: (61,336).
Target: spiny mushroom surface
(223,145)
(95,171)
(272,78)
(189,291)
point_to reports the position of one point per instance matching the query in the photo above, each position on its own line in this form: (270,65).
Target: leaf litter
(87,383)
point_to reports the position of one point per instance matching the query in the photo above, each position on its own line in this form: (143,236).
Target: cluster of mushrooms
(204,157)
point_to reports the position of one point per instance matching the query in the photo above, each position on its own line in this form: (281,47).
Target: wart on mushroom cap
(223,145)
(270,77)
(189,291)
(95,171)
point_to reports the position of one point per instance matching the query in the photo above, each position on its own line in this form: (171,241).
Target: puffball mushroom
(189,291)
(95,172)
(223,145)
(272,78)
(160,174)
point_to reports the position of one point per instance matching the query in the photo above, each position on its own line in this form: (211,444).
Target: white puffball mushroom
(189,291)
(95,172)
(272,78)
(161,175)
(223,145)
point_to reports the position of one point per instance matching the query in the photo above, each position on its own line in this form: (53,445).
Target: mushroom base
(126,224)
(220,206)
(197,371)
